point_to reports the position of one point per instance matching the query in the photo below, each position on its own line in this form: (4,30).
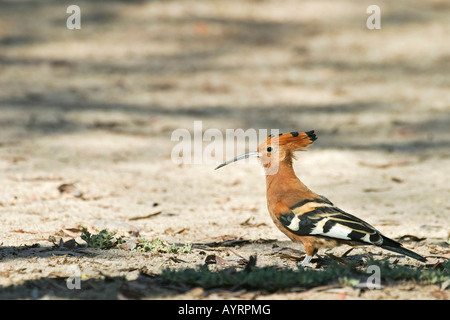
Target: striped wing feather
(320,217)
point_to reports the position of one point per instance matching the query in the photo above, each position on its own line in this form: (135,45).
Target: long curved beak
(240,157)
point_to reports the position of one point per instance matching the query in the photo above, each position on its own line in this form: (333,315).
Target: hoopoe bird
(305,216)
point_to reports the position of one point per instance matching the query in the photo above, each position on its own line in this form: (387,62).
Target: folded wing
(319,217)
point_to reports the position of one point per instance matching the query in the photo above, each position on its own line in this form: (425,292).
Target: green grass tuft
(268,278)
(103,240)
(404,273)
(106,239)
(158,245)
(273,278)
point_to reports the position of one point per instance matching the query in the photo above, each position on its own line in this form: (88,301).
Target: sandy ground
(96,107)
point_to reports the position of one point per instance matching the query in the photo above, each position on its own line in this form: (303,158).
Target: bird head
(276,149)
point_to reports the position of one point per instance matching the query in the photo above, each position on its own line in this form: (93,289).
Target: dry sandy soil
(96,108)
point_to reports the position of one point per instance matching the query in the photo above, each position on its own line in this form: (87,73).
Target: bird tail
(395,246)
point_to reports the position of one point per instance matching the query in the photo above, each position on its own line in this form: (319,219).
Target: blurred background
(97,106)
(86,118)
(149,67)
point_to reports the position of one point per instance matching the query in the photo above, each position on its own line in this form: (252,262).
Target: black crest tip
(312,136)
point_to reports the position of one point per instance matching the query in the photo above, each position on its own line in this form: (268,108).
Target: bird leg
(306,260)
(310,250)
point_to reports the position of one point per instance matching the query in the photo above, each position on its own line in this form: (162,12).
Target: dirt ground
(96,108)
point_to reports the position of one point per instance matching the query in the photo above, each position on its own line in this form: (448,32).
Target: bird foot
(307,262)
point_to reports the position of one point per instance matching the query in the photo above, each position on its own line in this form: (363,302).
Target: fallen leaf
(347,252)
(387,222)
(23,231)
(59,274)
(176,260)
(210,259)
(146,216)
(233,241)
(234,252)
(335,258)
(64,252)
(72,232)
(385,165)
(129,244)
(247,223)
(409,238)
(70,189)
(289,253)
(180,230)
(214,259)
(376,189)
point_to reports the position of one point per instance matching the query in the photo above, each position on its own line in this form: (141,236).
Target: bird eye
(269,149)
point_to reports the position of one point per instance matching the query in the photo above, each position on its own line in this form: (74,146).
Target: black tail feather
(395,246)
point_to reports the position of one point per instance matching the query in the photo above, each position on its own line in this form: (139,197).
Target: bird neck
(284,184)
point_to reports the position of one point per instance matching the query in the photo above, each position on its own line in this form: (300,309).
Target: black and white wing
(319,217)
